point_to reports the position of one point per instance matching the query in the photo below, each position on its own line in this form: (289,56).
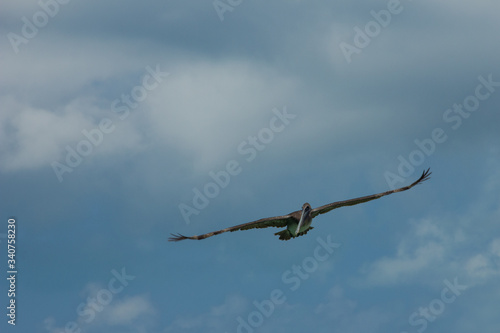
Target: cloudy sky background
(352,121)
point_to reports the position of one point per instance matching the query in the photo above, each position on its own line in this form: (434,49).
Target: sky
(122,122)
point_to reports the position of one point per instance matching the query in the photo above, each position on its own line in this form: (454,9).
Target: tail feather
(286,235)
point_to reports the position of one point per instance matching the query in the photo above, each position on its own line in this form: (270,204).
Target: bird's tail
(286,235)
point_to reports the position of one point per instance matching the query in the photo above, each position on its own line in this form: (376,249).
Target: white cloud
(219,104)
(435,247)
(495,247)
(128,310)
(448,245)
(479,267)
(31,138)
(336,305)
(485,266)
(134,313)
(404,265)
(34,137)
(219,318)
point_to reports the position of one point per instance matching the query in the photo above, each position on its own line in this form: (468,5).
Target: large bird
(298,223)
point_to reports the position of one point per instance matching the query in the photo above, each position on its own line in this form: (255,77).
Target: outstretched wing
(326,208)
(278,221)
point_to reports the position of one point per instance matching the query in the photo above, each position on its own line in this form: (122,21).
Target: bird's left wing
(326,208)
(277,221)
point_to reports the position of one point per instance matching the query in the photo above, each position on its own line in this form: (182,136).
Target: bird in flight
(299,222)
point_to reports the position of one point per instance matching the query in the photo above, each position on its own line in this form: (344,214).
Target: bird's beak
(302,216)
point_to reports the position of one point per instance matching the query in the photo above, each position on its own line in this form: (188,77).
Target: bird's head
(306,211)
(306,208)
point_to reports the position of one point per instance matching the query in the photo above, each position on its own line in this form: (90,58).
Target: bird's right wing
(326,208)
(277,221)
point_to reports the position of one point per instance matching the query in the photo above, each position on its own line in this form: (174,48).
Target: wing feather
(326,208)
(277,221)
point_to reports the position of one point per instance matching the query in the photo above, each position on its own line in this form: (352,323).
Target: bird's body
(301,217)
(298,223)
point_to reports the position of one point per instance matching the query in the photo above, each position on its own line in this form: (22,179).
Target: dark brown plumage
(291,221)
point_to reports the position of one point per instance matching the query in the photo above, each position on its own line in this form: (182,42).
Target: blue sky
(115,116)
